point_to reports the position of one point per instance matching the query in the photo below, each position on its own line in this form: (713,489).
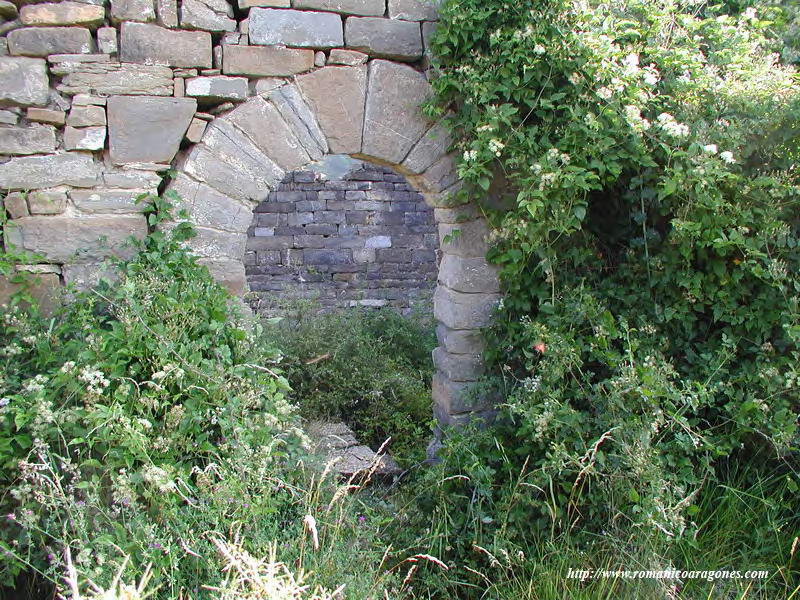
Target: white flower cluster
(634,117)
(158,478)
(35,385)
(671,126)
(95,380)
(496,146)
(470,155)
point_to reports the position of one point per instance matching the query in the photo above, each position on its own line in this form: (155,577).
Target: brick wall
(367,239)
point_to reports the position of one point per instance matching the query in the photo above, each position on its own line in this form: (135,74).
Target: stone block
(8,117)
(210,243)
(459,397)
(208,15)
(23,81)
(374,8)
(246,4)
(8,10)
(458,310)
(430,148)
(458,367)
(428,30)
(460,341)
(15,205)
(88,275)
(143,11)
(299,116)
(265,61)
(43,41)
(84,138)
(304,29)
(44,288)
(130,178)
(468,239)
(393,122)
(167,13)
(68,239)
(47,202)
(32,172)
(147,129)
(62,13)
(228,273)
(209,208)
(154,45)
(326,257)
(108,79)
(86,116)
(413,10)
(107,40)
(196,130)
(217,89)
(387,38)
(35,139)
(108,201)
(378,241)
(336,95)
(468,274)
(351,58)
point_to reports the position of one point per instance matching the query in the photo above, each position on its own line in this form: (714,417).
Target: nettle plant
(642,156)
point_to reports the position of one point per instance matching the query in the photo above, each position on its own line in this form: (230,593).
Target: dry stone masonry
(240,101)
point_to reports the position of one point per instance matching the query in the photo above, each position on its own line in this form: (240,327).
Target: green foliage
(370,368)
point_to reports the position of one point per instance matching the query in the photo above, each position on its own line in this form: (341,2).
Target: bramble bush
(637,161)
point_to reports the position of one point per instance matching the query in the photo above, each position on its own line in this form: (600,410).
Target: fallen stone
(337,445)
(458,310)
(84,138)
(47,202)
(393,122)
(298,115)
(265,61)
(154,45)
(23,81)
(336,95)
(36,139)
(86,116)
(62,13)
(108,79)
(217,89)
(133,10)
(109,201)
(208,15)
(387,38)
(167,12)
(413,10)
(67,239)
(352,58)
(107,40)
(306,29)
(374,8)
(147,129)
(196,130)
(209,208)
(43,41)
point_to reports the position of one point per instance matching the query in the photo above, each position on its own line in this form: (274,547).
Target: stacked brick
(367,240)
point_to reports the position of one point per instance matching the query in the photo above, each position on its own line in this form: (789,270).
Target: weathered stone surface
(62,13)
(439,176)
(167,12)
(299,116)
(464,239)
(336,95)
(47,202)
(16,205)
(351,58)
(8,10)
(400,40)
(305,29)
(413,10)
(339,448)
(108,79)
(374,8)
(245,4)
(88,275)
(44,288)
(430,148)
(87,116)
(36,139)
(196,130)
(265,127)
(209,15)
(460,341)
(23,81)
(67,239)
(458,367)
(84,138)
(33,172)
(428,29)
(468,274)
(154,45)
(229,273)
(217,89)
(108,201)
(459,214)
(43,41)
(458,397)
(143,11)
(209,208)
(265,61)
(78,58)
(8,117)
(457,310)
(147,129)
(107,40)
(393,121)
(211,243)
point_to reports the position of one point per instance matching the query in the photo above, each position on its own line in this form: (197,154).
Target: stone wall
(98,99)
(365,239)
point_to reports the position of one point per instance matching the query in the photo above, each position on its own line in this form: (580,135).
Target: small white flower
(539,49)
(710,148)
(727,157)
(470,155)
(605,93)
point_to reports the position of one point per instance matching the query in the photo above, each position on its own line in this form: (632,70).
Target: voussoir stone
(430,148)
(36,139)
(387,38)
(209,208)
(468,274)
(133,10)
(265,61)
(218,88)
(299,116)
(62,13)
(43,41)
(147,129)
(413,10)
(107,79)
(154,45)
(336,95)
(350,7)
(67,239)
(23,81)
(305,29)
(458,310)
(393,122)
(31,172)
(227,272)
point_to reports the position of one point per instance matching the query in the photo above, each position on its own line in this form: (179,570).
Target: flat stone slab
(208,15)
(62,13)
(413,10)
(265,61)
(36,139)
(374,8)
(386,38)
(107,79)
(23,81)
(43,41)
(336,442)
(304,29)
(133,10)
(153,45)
(147,129)
(458,310)
(33,172)
(218,88)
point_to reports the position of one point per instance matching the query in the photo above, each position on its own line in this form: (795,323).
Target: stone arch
(370,112)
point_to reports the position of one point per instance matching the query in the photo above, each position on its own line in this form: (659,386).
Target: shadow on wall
(347,233)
